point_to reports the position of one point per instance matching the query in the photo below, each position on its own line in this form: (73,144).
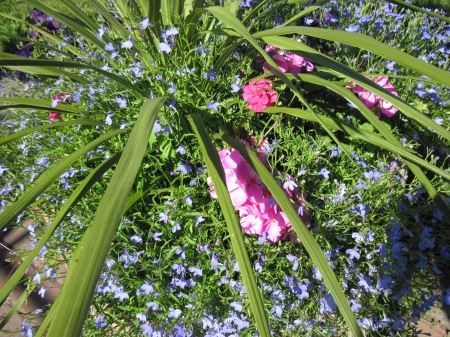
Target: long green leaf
(229,19)
(49,36)
(217,173)
(364,135)
(10,212)
(79,192)
(364,42)
(34,43)
(15,307)
(312,55)
(40,104)
(369,137)
(307,10)
(308,241)
(12,62)
(87,34)
(20,134)
(418,9)
(38,70)
(89,257)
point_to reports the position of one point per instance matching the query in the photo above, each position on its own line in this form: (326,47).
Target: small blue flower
(210,75)
(165,47)
(289,184)
(145,23)
(324,172)
(127,44)
(99,323)
(213,106)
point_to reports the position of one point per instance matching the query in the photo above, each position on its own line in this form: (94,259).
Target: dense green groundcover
(171,269)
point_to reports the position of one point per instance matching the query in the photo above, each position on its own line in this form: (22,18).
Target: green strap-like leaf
(85,32)
(10,212)
(418,9)
(81,15)
(16,307)
(307,10)
(378,141)
(79,192)
(34,43)
(13,62)
(229,19)
(217,173)
(20,134)
(364,42)
(89,257)
(49,36)
(38,70)
(308,241)
(312,55)
(40,104)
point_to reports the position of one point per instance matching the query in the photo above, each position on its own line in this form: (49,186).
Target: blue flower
(99,323)
(198,220)
(353,253)
(165,47)
(210,75)
(145,23)
(127,44)
(213,106)
(324,172)
(184,167)
(174,313)
(164,216)
(335,152)
(289,184)
(361,210)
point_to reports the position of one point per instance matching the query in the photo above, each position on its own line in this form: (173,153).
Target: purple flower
(42,291)
(184,167)
(141,317)
(164,216)
(235,88)
(335,152)
(324,172)
(361,210)
(289,184)
(121,294)
(127,44)
(147,288)
(122,102)
(292,258)
(352,28)
(147,329)
(145,23)
(165,47)
(174,313)
(353,253)
(210,75)
(213,106)
(156,236)
(109,47)
(99,323)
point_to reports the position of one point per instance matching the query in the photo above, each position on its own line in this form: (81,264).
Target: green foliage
(113,62)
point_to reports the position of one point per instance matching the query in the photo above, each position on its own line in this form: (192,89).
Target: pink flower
(55,116)
(296,63)
(258,210)
(287,62)
(259,95)
(387,108)
(373,101)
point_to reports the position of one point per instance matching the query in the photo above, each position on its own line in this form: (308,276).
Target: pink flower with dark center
(259,95)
